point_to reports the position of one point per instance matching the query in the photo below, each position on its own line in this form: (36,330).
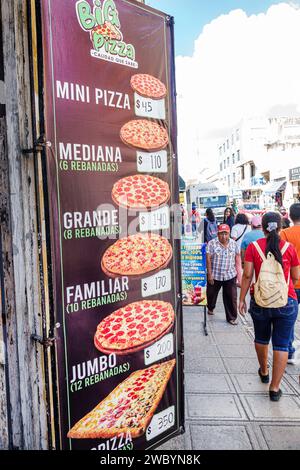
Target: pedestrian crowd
(262,257)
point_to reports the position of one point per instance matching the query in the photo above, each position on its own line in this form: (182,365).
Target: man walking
(223,258)
(292,235)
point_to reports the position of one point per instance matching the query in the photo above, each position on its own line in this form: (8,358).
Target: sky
(241,59)
(192,15)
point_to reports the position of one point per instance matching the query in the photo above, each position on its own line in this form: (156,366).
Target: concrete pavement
(227,406)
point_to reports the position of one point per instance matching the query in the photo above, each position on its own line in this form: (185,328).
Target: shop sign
(113,178)
(295,174)
(193,265)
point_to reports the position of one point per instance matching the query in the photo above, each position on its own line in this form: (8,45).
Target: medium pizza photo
(129,407)
(134,327)
(140,192)
(144,134)
(148,86)
(136,255)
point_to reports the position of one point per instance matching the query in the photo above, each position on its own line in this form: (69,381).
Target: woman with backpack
(273,305)
(210,226)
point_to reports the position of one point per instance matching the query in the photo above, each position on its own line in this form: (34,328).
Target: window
(233,178)
(227,143)
(228,180)
(242,173)
(224,148)
(238,156)
(232,139)
(233,159)
(228,162)
(252,171)
(237,133)
(221,166)
(220,150)
(224,164)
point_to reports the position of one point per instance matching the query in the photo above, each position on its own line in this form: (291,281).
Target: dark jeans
(277,323)
(229,297)
(291,347)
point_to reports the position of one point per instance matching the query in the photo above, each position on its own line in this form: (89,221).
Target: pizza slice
(108,30)
(129,407)
(134,327)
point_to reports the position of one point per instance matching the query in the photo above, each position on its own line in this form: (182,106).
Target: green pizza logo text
(103,24)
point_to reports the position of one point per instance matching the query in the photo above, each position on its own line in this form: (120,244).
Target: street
(227,406)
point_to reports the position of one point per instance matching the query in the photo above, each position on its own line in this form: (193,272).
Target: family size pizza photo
(148,86)
(129,407)
(140,192)
(136,255)
(134,327)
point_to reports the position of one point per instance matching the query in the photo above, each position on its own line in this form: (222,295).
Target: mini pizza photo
(136,255)
(134,327)
(140,192)
(144,134)
(148,86)
(129,407)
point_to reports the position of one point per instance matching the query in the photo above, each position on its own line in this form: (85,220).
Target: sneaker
(295,358)
(292,359)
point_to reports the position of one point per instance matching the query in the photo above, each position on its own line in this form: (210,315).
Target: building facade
(256,158)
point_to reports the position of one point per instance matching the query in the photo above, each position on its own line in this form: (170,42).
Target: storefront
(273,193)
(295,181)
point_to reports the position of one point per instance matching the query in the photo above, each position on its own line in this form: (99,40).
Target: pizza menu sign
(113,181)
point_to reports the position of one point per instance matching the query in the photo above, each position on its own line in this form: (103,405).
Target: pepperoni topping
(133,255)
(144,134)
(148,86)
(131,327)
(141,192)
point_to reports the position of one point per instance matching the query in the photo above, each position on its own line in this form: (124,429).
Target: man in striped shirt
(223,259)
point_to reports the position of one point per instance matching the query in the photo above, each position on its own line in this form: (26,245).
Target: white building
(257,157)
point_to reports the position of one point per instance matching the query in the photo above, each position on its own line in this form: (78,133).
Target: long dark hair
(231,213)
(242,219)
(271,223)
(210,215)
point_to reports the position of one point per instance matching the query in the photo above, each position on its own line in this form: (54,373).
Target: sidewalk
(227,407)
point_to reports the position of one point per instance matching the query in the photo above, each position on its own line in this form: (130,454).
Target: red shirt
(290,260)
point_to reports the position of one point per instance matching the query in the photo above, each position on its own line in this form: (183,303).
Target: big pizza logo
(102,22)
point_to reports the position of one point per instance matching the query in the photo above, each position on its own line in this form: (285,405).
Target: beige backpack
(271,288)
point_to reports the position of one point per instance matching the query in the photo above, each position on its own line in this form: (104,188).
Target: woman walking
(228,217)
(240,228)
(273,305)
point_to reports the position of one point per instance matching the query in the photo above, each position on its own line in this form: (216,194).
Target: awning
(274,186)
(182,185)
